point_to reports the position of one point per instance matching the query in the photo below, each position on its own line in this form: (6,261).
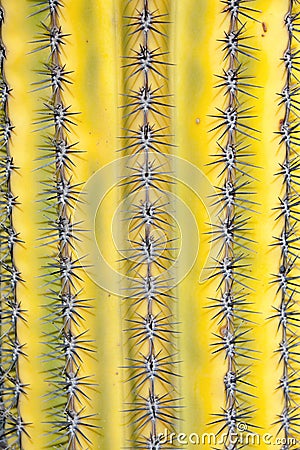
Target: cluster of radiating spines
(287,279)
(234,204)
(67,340)
(12,425)
(151,251)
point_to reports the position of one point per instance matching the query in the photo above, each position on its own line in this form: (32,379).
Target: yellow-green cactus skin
(149,241)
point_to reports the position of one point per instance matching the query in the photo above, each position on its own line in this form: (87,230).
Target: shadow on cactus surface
(149,238)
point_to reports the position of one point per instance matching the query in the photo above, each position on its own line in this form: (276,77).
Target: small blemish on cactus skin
(223,330)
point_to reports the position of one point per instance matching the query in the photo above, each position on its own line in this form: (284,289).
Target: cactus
(149,224)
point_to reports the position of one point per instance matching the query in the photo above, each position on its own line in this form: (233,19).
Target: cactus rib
(150,256)
(68,341)
(234,202)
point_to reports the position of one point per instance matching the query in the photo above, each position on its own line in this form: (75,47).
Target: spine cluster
(234,203)
(67,338)
(150,254)
(12,426)
(287,278)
